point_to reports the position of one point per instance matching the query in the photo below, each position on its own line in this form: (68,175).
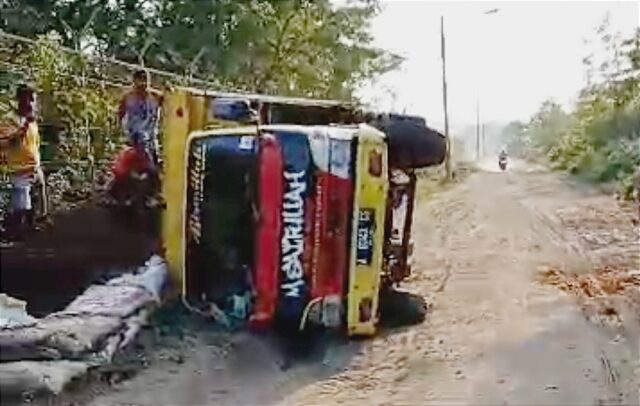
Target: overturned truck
(289,213)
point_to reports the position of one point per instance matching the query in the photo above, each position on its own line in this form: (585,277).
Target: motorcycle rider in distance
(139,116)
(502,159)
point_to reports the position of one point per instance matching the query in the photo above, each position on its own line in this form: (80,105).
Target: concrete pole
(484,145)
(447,162)
(478,128)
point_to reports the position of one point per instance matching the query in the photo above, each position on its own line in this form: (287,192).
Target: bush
(600,139)
(82,112)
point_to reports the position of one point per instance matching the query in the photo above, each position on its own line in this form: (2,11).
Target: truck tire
(400,308)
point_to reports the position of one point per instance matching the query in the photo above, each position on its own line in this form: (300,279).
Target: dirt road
(493,336)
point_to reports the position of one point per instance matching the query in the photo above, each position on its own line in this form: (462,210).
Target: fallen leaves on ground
(599,290)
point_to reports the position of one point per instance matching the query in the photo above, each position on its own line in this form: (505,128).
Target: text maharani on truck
(292,213)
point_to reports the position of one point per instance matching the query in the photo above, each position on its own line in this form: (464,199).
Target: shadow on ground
(51,267)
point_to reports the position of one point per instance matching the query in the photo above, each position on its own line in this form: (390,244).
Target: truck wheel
(400,308)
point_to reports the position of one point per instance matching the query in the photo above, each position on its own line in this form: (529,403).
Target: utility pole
(484,145)
(488,12)
(447,162)
(478,128)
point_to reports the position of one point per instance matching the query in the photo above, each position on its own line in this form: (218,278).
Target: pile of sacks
(44,355)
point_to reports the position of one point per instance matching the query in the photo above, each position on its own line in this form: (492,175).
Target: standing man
(139,116)
(23,159)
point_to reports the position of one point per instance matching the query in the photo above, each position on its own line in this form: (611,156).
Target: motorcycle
(502,162)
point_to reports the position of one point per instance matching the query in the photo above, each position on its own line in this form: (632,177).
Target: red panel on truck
(267,265)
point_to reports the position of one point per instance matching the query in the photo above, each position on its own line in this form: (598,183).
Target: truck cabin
(238,169)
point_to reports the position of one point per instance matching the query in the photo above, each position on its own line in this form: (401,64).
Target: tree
(295,47)
(547,125)
(514,136)
(600,138)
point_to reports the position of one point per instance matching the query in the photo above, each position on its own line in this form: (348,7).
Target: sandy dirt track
(494,334)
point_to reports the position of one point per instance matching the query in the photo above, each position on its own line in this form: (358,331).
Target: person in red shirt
(139,115)
(129,167)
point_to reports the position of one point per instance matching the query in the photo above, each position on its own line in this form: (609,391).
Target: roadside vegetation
(600,138)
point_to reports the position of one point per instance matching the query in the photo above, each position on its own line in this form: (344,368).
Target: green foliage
(292,47)
(600,139)
(82,110)
(547,125)
(69,98)
(514,138)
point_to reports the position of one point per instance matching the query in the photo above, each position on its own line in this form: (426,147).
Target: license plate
(366,227)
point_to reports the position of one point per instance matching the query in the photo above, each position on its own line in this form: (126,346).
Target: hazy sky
(514,59)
